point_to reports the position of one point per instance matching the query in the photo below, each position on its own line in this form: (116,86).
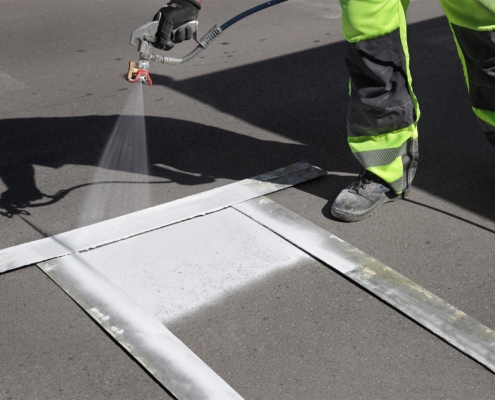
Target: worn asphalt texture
(272,90)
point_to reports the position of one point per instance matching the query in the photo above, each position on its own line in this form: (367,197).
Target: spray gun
(146,34)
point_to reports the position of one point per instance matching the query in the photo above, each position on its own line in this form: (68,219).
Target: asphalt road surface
(271,91)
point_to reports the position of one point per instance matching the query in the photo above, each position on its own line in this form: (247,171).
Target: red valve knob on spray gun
(138,74)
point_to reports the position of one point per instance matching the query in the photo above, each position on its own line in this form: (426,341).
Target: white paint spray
(122,175)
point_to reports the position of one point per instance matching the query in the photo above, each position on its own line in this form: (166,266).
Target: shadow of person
(302,98)
(21,186)
(182,152)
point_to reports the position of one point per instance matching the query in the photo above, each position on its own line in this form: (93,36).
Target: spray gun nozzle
(137,74)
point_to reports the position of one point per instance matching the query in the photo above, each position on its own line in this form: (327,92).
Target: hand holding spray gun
(175,23)
(172,17)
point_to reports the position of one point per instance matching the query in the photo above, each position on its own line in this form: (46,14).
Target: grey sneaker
(362,198)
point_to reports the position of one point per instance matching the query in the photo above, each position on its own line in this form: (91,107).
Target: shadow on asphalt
(302,97)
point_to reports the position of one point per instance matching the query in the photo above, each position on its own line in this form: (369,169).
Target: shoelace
(361,181)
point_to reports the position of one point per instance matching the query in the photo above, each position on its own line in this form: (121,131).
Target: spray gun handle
(194,28)
(147,32)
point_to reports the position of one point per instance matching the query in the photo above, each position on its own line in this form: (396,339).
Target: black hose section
(249,12)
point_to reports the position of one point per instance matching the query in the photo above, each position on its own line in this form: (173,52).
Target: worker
(383,112)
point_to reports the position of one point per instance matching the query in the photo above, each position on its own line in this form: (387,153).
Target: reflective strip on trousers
(397,164)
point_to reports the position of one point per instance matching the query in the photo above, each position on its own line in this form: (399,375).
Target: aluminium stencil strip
(155,217)
(169,360)
(446,321)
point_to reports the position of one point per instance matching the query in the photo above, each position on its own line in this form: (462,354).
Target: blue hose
(249,12)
